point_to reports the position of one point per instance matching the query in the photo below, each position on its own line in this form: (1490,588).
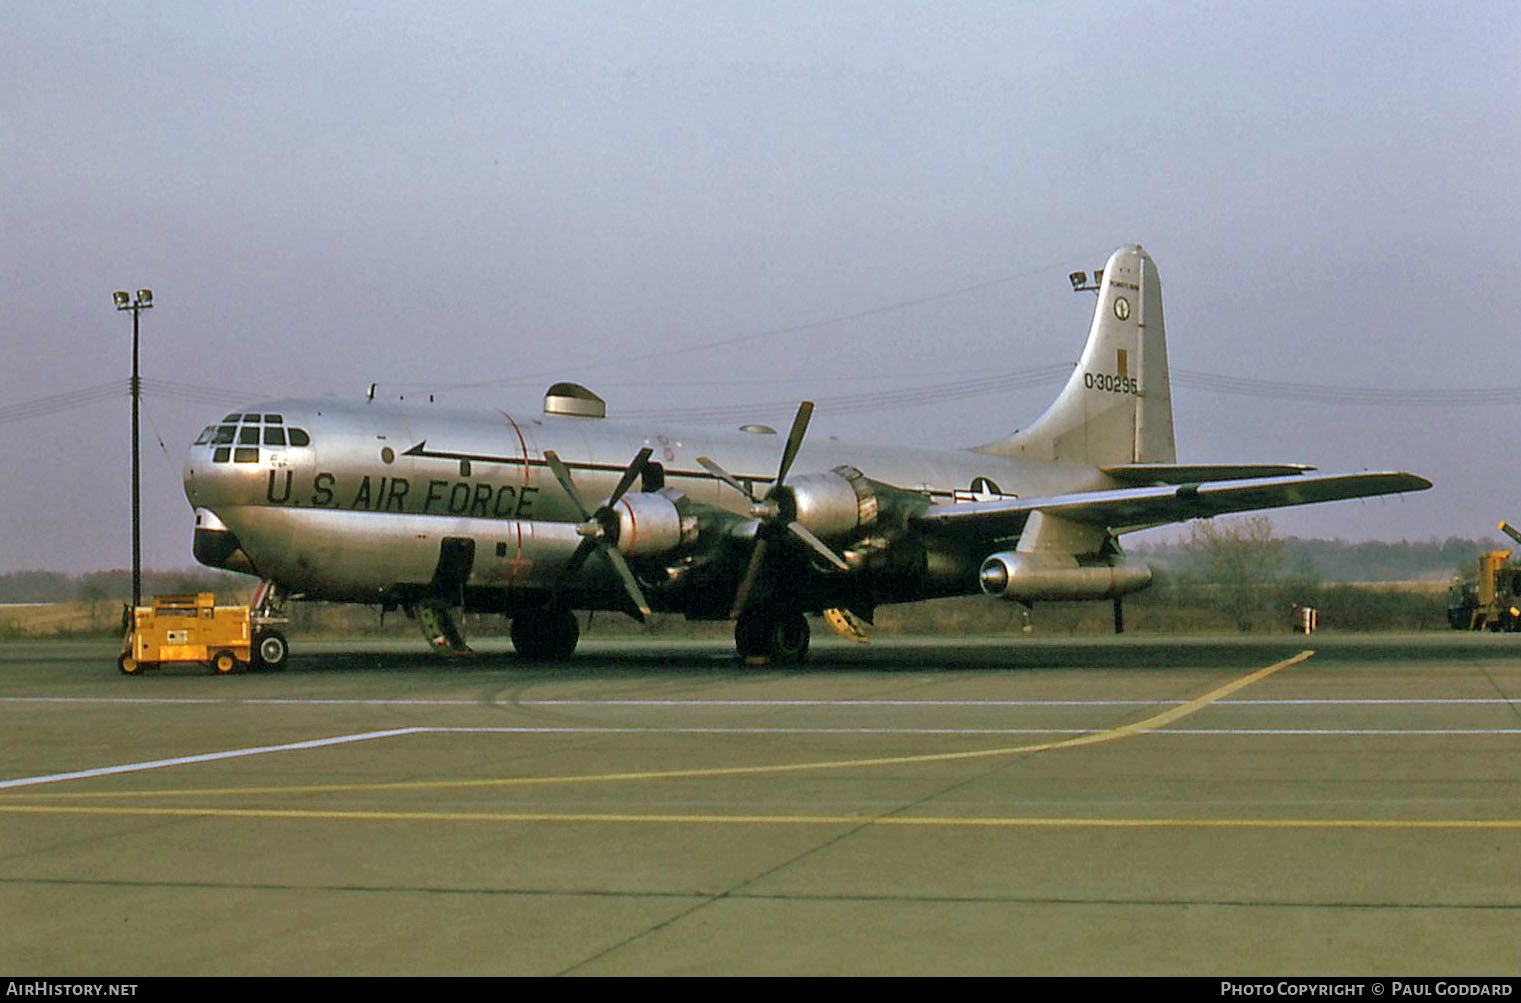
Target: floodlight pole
(144,301)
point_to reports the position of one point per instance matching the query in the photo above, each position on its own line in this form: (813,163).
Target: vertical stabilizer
(1117,406)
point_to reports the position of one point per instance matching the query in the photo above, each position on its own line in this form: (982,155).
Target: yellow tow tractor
(1492,600)
(185,628)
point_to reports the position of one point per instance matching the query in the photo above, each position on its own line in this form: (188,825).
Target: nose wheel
(770,635)
(270,649)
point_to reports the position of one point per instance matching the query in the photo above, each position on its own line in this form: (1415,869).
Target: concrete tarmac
(1027,806)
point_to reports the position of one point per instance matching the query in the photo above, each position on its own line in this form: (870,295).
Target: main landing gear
(771,635)
(548,633)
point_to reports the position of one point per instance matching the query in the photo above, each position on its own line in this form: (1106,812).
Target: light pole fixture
(144,301)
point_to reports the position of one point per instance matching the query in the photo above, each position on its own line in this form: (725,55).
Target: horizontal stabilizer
(1194,473)
(1129,509)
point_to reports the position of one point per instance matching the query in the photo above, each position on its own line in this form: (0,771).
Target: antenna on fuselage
(370,394)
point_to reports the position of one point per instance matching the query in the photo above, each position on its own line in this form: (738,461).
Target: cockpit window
(268,429)
(245,454)
(220,454)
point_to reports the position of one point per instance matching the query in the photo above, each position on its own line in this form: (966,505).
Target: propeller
(774,510)
(599,528)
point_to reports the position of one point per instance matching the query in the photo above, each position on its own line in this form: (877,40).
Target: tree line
(1226,574)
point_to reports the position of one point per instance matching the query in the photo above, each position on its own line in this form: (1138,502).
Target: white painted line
(969,732)
(699,730)
(1337,731)
(105,771)
(686,704)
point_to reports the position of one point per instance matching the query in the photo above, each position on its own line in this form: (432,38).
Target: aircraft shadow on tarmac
(953,655)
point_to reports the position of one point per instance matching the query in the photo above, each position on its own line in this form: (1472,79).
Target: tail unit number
(1110,383)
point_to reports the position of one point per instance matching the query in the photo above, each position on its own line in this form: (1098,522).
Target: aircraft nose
(231,456)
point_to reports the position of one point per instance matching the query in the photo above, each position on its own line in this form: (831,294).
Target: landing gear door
(456,557)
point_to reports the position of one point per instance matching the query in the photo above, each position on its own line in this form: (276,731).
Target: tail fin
(1117,406)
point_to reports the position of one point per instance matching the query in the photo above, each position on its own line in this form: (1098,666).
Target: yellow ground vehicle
(186,628)
(1492,601)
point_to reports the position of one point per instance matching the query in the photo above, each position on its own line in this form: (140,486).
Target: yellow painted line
(896,821)
(1152,723)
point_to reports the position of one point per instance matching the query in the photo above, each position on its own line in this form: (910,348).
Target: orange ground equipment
(186,628)
(1492,601)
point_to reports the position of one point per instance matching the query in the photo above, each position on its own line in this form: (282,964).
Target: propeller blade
(819,546)
(630,583)
(726,477)
(562,474)
(594,531)
(629,476)
(794,439)
(769,511)
(579,555)
(752,572)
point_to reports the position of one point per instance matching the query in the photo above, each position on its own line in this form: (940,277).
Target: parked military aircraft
(437,511)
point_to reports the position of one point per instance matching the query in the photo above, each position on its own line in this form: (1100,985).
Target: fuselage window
(274,436)
(248,436)
(224,435)
(220,454)
(298,437)
(246,454)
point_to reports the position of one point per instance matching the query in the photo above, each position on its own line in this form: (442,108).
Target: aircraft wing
(1191,473)
(1127,509)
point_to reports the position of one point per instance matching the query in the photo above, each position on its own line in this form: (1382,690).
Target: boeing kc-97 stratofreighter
(536,517)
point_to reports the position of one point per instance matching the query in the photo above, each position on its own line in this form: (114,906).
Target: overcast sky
(665,200)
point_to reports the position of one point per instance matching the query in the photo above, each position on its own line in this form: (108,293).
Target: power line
(915,396)
(1331,394)
(874,401)
(737,339)
(84,397)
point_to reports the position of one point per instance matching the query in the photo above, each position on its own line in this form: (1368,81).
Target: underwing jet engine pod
(1028,577)
(1059,559)
(438,511)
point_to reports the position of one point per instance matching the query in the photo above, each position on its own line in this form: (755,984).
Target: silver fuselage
(360,512)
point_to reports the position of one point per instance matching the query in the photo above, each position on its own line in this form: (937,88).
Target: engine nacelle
(833,504)
(1027,577)
(652,523)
